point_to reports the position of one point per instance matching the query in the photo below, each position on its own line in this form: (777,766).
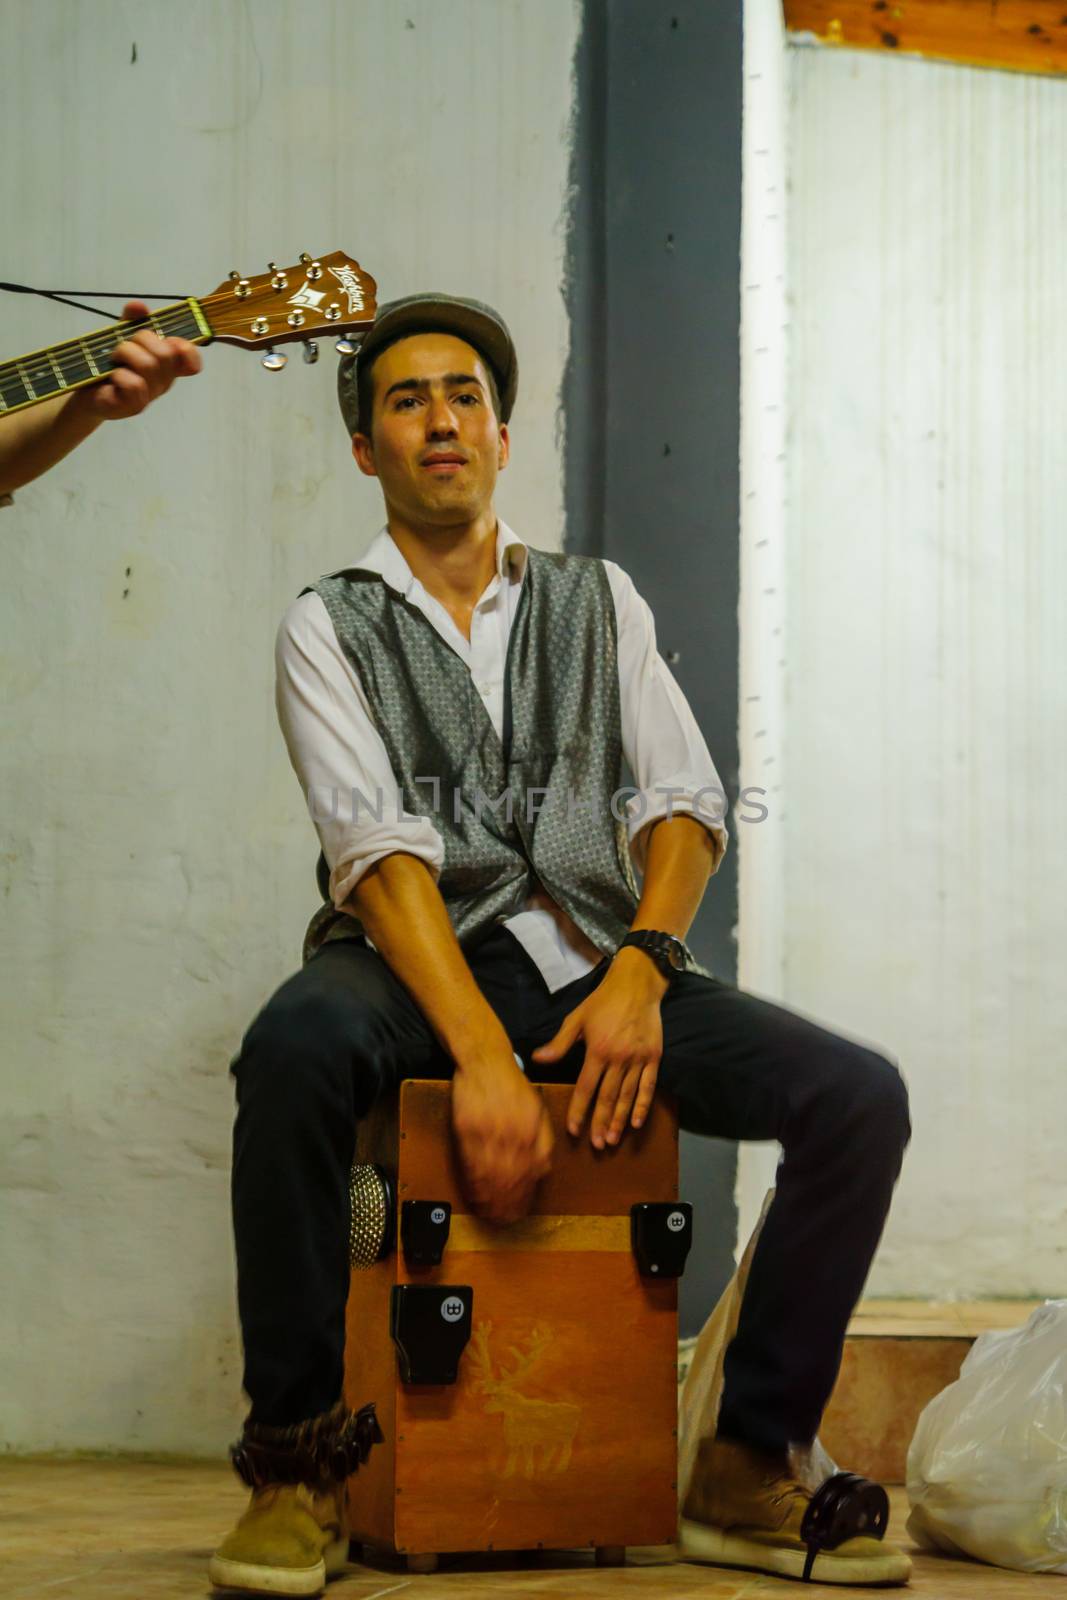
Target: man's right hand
(503,1138)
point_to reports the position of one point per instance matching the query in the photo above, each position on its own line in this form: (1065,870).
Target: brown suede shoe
(745,1509)
(289,1541)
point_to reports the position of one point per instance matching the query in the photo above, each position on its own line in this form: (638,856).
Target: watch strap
(668,952)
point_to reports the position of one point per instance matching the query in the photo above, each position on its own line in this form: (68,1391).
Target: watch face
(676,955)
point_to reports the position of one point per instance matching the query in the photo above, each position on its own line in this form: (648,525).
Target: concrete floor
(122,1530)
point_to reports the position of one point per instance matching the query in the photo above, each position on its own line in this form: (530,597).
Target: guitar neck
(76,363)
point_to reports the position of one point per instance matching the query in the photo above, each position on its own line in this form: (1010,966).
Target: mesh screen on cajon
(524,1376)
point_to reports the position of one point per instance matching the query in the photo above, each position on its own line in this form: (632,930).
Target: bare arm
(678,863)
(402,910)
(502,1131)
(33,440)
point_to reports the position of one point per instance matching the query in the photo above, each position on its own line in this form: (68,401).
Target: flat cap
(477,324)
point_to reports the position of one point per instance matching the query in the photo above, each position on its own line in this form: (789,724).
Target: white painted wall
(157,858)
(927,572)
(762,613)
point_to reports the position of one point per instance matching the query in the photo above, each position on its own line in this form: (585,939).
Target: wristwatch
(669,953)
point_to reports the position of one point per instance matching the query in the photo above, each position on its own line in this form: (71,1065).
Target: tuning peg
(305,259)
(311,352)
(272,266)
(274,361)
(235,276)
(346,346)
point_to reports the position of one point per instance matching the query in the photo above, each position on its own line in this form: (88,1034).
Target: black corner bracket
(430,1325)
(424,1226)
(661,1233)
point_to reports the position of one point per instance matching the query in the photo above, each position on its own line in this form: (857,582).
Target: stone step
(898,1355)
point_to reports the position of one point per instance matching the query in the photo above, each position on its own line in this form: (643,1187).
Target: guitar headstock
(328,295)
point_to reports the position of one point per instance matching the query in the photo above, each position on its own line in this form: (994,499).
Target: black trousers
(344,1030)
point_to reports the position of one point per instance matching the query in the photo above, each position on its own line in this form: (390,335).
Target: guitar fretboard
(77,362)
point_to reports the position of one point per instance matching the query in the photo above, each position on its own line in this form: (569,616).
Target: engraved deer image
(537,1433)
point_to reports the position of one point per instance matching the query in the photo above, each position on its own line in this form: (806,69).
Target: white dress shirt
(335,747)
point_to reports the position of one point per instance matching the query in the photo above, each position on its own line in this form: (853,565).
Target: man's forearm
(31,441)
(401,909)
(678,863)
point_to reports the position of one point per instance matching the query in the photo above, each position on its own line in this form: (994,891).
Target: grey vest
(532,808)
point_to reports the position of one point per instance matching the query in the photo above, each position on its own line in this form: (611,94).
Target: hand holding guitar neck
(143,367)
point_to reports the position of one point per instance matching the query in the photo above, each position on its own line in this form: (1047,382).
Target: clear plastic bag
(987,1466)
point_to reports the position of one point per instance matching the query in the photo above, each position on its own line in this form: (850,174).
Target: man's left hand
(145,366)
(623,1032)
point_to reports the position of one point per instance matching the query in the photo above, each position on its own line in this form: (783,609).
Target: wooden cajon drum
(559,1427)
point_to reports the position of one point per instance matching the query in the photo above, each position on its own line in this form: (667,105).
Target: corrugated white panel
(157,856)
(764,524)
(928,626)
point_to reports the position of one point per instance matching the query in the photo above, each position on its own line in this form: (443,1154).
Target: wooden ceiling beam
(1015,35)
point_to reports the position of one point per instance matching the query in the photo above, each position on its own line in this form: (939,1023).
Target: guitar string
(104,342)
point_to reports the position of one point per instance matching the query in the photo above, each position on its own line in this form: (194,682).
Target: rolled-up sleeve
(339,756)
(662,743)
